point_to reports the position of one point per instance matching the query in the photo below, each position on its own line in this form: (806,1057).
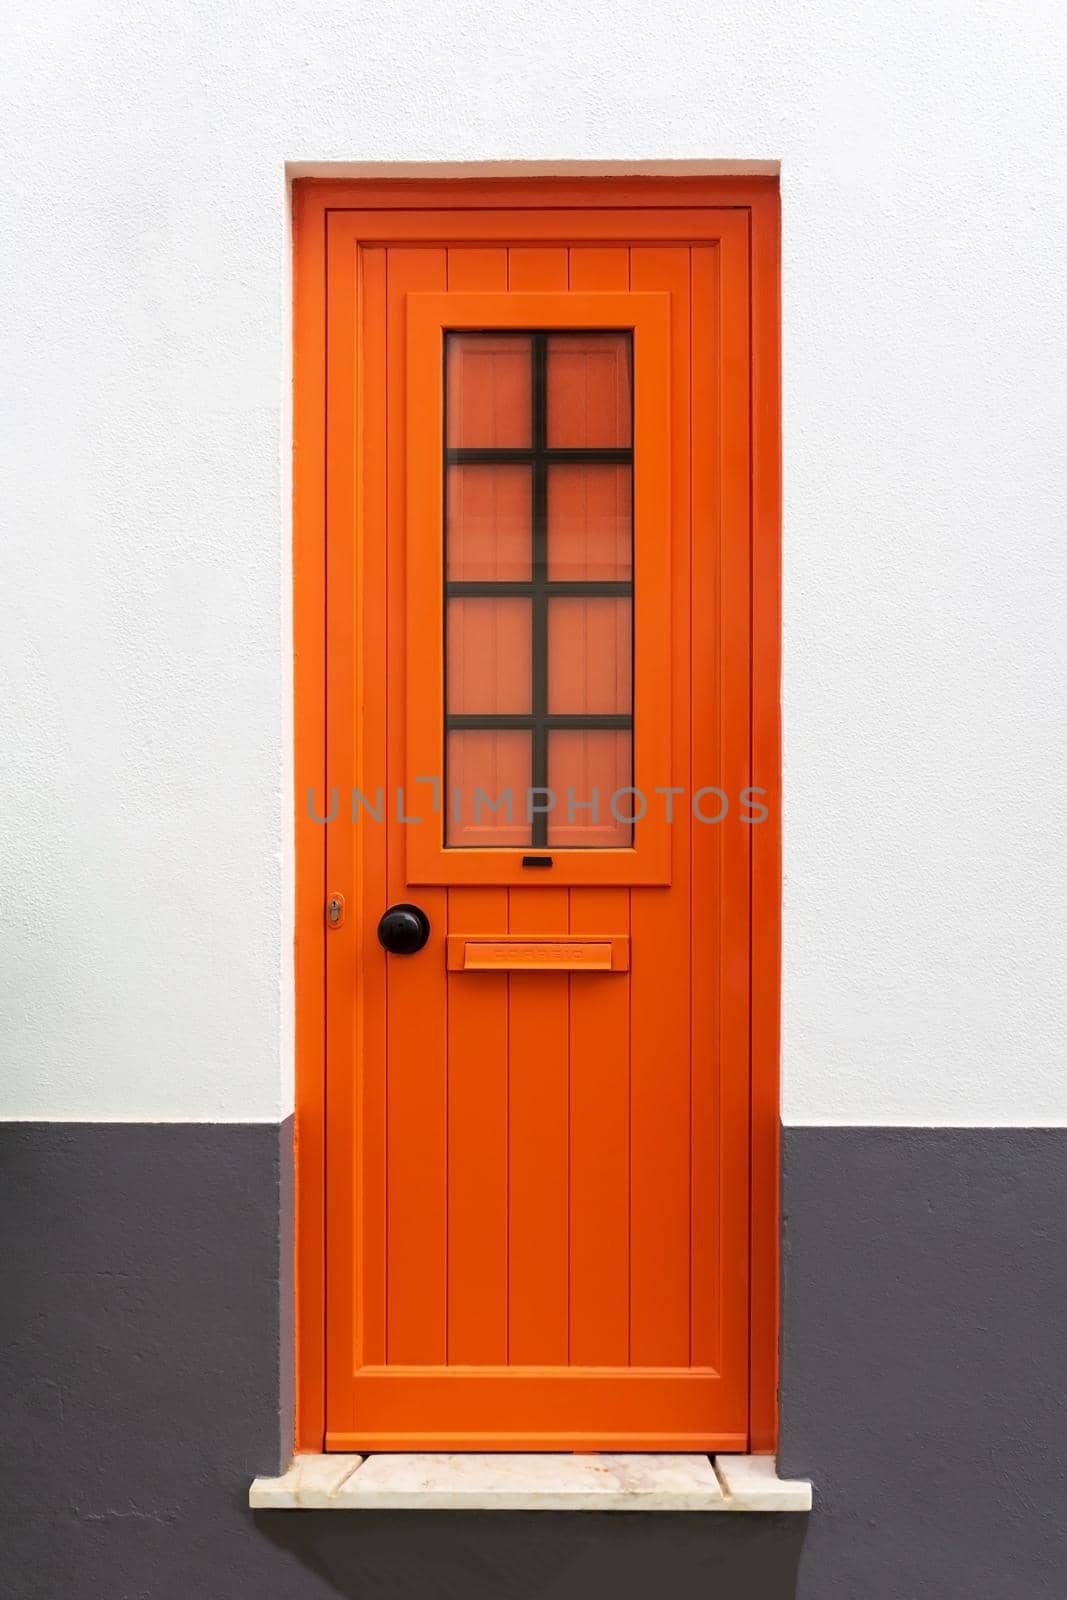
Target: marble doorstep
(458,1482)
(751,1483)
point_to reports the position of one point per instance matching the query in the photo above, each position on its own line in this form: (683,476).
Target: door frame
(313,200)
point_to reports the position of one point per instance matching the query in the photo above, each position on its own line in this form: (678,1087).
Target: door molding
(452,209)
(649,859)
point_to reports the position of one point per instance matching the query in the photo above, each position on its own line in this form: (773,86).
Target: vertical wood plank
(594,266)
(659,980)
(312,1267)
(600,1140)
(766,843)
(417,998)
(538,1142)
(539,1069)
(537,267)
(477,1067)
(707,840)
(735,898)
(369,838)
(343,944)
(600,1066)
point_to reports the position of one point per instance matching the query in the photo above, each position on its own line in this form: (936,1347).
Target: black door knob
(403,929)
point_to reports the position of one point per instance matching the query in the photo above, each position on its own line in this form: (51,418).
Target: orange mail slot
(552,954)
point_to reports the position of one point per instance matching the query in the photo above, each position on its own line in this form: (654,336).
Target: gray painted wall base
(143,1356)
(925,1285)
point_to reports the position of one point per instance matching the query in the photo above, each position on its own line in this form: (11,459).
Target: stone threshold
(458,1482)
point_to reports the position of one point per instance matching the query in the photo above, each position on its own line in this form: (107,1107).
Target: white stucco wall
(145,722)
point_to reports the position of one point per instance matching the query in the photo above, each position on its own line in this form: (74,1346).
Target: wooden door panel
(477,1065)
(416,1060)
(733,1043)
(478,1100)
(359,1023)
(538,1067)
(537,1229)
(539,1099)
(600,1067)
(453,1408)
(599,1241)
(660,1066)
(707,1126)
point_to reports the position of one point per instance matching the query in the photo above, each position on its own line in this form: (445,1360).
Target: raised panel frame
(429,318)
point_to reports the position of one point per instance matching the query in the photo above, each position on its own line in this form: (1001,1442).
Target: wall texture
(145,886)
(925,1276)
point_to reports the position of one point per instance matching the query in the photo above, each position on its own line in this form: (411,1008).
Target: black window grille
(539,589)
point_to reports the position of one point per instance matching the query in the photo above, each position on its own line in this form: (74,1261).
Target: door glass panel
(488,776)
(586,772)
(589,656)
(488,401)
(488,656)
(539,588)
(588,377)
(488,513)
(590,522)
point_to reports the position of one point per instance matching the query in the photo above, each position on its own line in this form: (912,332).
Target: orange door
(538,730)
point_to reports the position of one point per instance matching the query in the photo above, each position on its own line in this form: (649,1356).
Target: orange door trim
(353,224)
(428,315)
